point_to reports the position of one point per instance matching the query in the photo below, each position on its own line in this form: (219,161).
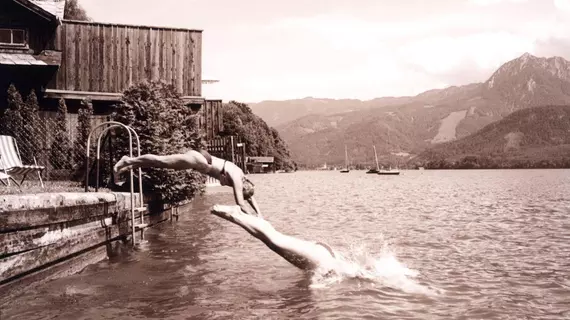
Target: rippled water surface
(423,245)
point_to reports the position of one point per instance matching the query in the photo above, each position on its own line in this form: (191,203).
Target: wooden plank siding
(211,118)
(108,58)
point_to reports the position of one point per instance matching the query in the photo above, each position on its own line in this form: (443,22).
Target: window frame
(12,44)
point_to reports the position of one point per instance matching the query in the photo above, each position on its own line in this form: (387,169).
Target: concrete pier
(43,236)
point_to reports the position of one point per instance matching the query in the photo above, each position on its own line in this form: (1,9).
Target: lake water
(422,245)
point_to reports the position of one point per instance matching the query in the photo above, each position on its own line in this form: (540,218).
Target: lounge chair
(5,178)
(11,164)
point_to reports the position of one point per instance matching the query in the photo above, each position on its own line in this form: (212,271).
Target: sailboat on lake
(345,170)
(389,171)
(377,170)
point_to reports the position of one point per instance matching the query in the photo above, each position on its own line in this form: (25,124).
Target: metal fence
(62,153)
(63,156)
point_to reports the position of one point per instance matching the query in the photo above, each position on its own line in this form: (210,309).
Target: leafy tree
(30,142)
(12,121)
(60,147)
(165,126)
(74,11)
(259,138)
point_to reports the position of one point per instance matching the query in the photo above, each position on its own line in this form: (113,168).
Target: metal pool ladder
(139,208)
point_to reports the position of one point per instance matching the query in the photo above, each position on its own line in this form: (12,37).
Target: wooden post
(244,157)
(232,149)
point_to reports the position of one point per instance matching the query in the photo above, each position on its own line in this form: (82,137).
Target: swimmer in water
(305,255)
(225,171)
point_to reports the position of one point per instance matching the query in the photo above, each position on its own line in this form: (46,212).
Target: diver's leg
(180,161)
(301,253)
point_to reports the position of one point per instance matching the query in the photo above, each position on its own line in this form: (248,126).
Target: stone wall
(43,236)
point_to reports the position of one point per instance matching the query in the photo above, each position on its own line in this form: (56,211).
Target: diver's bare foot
(225,212)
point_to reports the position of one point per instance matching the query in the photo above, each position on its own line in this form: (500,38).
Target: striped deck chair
(11,163)
(5,178)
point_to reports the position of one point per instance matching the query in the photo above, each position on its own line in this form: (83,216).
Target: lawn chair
(5,178)
(11,164)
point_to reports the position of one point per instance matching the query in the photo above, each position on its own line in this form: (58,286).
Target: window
(13,37)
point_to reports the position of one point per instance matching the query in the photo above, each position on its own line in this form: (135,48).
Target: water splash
(382,268)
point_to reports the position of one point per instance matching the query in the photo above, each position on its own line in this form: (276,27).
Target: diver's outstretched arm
(303,254)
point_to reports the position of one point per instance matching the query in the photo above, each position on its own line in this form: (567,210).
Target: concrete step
(141,226)
(140,209)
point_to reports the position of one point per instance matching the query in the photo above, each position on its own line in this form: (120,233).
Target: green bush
(30,143)
(165,126)
(60,147)
(85,113)
(73,11)
(12,121)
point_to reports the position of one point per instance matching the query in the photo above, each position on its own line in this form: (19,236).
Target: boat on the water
(389,172)
(345,170)
(377,170)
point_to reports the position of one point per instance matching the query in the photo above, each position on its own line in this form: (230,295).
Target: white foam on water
(381,268)
(72,290)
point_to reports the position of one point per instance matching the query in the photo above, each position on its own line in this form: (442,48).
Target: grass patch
(33,186)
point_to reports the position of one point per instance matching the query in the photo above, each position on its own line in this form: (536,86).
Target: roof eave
(48,16)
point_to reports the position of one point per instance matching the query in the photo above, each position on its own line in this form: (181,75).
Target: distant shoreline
(432,169)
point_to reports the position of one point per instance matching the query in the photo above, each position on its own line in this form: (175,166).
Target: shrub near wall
(30,144)
(12,121)
(61,146)
(165,126)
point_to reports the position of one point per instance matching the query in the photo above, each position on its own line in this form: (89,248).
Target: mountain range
(401,128)
(531,137)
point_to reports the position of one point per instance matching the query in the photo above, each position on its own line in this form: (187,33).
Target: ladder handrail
(130,132)
(98,157)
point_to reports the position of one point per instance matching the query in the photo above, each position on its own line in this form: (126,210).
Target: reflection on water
(425,244)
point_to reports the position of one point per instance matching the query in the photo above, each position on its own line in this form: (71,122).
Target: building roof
(51,10)
(261,159)
(55,7)
(20,59)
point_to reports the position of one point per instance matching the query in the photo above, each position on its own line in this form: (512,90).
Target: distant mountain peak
(526,56)
(529,68)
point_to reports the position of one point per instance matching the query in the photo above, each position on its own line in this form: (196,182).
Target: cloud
(562,5)
(425,46)
(442,55)
(340,26)
(492,2)
(298,48)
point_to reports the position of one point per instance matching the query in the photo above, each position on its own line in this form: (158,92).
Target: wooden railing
(229,148)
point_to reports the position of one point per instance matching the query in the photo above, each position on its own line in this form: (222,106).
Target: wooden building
(211,118)
(75,60)
(260,164)
(101,60)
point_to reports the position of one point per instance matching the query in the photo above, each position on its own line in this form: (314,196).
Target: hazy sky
(285,49)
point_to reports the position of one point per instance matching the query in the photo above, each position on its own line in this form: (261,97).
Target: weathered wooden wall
(211,118)
(100,57)
(39,232)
